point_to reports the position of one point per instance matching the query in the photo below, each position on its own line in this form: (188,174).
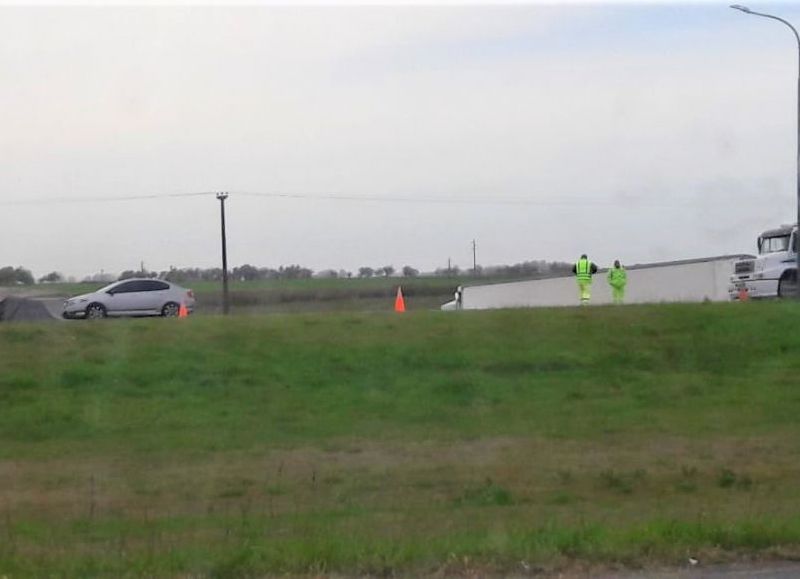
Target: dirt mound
(15,309)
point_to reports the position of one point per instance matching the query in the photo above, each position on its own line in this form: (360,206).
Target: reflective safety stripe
(582,269)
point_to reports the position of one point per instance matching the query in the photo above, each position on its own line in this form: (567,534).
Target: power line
(69,200)
(571,201)
(513,201)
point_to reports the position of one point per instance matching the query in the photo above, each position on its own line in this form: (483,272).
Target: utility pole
(449,270)
(474,259)
(225,305)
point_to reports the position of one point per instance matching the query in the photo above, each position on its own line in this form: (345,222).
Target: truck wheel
(787,286)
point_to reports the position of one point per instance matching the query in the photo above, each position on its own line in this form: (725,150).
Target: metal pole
(797,232)
(474,259)
(746,10)
(225,303)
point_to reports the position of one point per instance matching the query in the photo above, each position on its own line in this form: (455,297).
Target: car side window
(125,288)
(154,286)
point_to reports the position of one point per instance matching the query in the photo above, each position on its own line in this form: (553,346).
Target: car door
(154,294)
(124,298)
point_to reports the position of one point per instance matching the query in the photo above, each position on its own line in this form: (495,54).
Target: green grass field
(424,443)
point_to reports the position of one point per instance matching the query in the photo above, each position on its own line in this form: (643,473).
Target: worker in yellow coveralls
(617,279)
(584,270)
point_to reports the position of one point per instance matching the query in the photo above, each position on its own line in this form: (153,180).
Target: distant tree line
(15,276)
(244,272)
(130,273)
(529,269)
(52,277)
(526,269)
(247,272)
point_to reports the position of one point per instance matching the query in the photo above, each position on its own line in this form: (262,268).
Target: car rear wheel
(787,287)
(95,312)
(170,310)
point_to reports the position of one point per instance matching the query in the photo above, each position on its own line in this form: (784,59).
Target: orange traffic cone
(183,312)
(399,302)
(744,295)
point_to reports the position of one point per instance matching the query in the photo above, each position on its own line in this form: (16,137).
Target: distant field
(308,295)
(425,443)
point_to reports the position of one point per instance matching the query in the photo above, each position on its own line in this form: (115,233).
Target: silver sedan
(131,297)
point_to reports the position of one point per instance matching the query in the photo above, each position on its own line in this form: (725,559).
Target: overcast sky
(642,132)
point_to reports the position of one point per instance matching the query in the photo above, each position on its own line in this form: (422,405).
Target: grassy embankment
(302,295)
(373,443)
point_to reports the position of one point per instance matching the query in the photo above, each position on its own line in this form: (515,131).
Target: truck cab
(774,272)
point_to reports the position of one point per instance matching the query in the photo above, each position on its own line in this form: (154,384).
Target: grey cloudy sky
(638,131)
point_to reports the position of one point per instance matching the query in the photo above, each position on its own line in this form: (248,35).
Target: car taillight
(190,293)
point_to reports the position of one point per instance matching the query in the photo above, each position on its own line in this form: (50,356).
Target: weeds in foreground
(487,494)
(622,482)
(728,479)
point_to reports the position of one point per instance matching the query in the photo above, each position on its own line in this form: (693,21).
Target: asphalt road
(54,305)
(17,308)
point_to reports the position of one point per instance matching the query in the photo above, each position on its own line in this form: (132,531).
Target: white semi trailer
(774,272)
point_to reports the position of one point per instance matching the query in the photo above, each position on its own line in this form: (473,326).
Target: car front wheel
(95,312)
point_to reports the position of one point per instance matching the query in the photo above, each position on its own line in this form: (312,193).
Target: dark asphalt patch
(15,309)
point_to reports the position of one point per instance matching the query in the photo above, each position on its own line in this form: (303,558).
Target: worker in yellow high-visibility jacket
(617,279)
(583,270)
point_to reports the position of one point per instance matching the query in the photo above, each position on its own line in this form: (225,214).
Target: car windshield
(775,244)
